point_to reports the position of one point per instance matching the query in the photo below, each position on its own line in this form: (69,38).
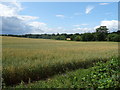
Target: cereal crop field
(25,59)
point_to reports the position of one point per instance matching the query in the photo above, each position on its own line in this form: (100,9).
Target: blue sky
(65,17)
(48,11)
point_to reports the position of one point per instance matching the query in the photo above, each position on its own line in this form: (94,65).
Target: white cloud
(37,24)
(63,16)
(84,24)
(26,17)
(89,9)
(83,30)
(104,3)
(10,9)
(60,16)
(112,25)
(6,11)
(78,25)
(55,30)
(38,27)
(13,23)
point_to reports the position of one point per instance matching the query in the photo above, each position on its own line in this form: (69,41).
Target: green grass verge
(67,80)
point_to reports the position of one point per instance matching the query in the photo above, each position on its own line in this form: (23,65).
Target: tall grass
(35,59)
(101,75)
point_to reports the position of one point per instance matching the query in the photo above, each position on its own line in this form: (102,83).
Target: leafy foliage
(104,75)
(101,33)
(88,37)
(113,37)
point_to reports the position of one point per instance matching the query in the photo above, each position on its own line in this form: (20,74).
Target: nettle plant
(104,75)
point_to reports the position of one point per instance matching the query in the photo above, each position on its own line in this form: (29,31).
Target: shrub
(104,75)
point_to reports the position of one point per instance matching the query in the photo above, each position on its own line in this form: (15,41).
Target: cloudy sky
(57,17)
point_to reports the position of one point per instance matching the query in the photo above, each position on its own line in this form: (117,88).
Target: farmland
(27,59)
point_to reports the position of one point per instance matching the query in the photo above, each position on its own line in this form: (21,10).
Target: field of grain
(26,59)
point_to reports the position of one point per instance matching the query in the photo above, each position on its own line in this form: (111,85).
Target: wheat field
(24,58)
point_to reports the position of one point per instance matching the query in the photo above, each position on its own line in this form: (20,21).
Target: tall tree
(101,33)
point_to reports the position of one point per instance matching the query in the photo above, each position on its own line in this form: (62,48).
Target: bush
(104,75)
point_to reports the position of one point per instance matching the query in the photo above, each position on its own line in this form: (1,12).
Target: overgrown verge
(12,76)
(102,75)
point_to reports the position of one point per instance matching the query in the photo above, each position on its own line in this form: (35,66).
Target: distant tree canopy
(113,37)
(88,37)
(102,29)
(101,34)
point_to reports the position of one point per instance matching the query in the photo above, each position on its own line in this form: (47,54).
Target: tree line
(101,34)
